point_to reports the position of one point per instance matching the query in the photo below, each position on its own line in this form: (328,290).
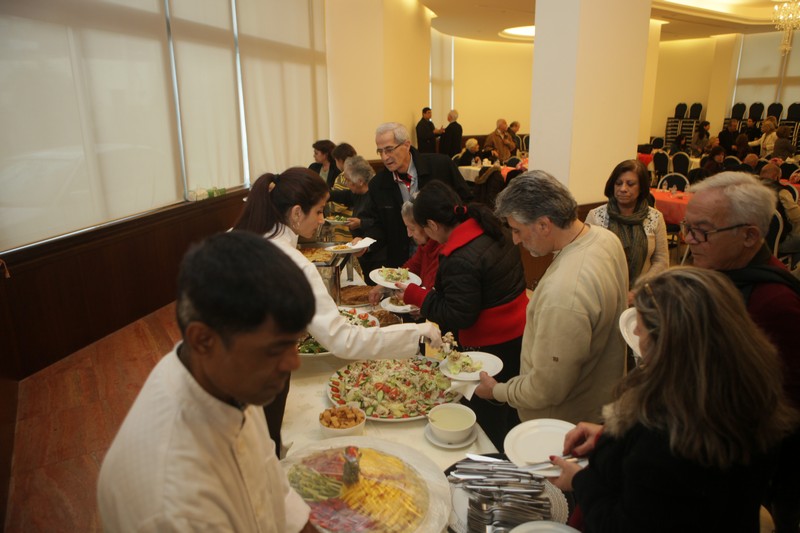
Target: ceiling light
(520,33)
(786,18)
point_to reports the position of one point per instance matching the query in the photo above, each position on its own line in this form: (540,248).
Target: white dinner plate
(535,441)
(627,323)
(333,222)
(347,249)
(491,365)
(544,526)
(389,306)
(375,276)
(428,432)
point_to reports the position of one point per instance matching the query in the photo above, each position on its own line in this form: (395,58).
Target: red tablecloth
(673,207)
(645,158)
(505,170)
(795,185)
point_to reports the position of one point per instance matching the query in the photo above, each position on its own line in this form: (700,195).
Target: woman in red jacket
(479,292)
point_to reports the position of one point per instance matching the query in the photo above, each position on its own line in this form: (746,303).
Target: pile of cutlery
(501,495)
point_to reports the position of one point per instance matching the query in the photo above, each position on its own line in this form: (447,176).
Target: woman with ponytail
(479,292)
(282,207)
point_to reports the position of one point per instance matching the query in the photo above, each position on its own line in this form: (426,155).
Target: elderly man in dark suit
(450,142)
(406,172)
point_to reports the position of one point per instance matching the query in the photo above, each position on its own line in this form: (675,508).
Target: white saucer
(436,442)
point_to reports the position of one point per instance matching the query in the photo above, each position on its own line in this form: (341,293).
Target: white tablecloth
(470,173)
(308,398)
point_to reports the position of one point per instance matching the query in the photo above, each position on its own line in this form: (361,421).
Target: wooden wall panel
(68,293)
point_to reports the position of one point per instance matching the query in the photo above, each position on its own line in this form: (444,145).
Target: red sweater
(425,262)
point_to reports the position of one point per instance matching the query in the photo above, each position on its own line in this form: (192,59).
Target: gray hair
(358,170)
(471,142)
(453,114)
(398,130)
(407,210)
(536,194)
(751,202)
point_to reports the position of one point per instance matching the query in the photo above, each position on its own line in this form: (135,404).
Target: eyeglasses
(701,235)
(388,150)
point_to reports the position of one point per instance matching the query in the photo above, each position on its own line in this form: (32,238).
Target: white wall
(684,75)
(355,76)
(378,67)
(492,80)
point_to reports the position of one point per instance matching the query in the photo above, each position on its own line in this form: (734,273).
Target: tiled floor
(67,416)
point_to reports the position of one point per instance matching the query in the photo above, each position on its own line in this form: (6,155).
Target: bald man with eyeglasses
(405,172)
(726,222)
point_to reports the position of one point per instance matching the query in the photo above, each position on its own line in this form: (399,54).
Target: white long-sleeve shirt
(333,331)
(186,461)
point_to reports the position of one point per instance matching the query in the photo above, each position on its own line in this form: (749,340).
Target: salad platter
(387,277)
(391,390)
(311,346)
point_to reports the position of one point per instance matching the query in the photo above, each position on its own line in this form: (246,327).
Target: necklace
(576,235)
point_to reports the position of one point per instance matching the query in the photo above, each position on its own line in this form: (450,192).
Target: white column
(588,78)
(378,56)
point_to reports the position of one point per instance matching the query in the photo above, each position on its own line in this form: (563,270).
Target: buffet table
(308,398)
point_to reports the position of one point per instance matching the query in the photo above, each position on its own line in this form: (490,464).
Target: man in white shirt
(193,453)
(572,350)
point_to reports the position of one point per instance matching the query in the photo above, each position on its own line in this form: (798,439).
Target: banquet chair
(526,140)
(488,185)
(787,169)
(680,163)
(738,110)
(695,175)
(773,236)
(756,111)
(793,112)
(513,174)
(658,143)
(761,164)
(731,162)
(775,109)
(680,110)
(674,179)
(695,110)
(661,164)
(793,191)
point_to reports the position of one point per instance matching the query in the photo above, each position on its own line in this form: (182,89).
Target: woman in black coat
(479,293)
(690,441)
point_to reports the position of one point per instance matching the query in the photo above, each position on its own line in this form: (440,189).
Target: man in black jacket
(406,172)
(427,132)
(450,143)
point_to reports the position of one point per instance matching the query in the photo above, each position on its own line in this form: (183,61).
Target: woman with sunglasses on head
(282,207)
(479,292)
(690,441)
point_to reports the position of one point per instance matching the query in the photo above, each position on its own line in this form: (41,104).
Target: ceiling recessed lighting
(521,33)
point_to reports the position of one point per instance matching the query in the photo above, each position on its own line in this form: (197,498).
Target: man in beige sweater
(572,350)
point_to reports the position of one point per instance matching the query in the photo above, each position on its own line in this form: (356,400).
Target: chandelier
(786,18)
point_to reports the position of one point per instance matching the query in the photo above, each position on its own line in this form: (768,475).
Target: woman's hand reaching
(580,440)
